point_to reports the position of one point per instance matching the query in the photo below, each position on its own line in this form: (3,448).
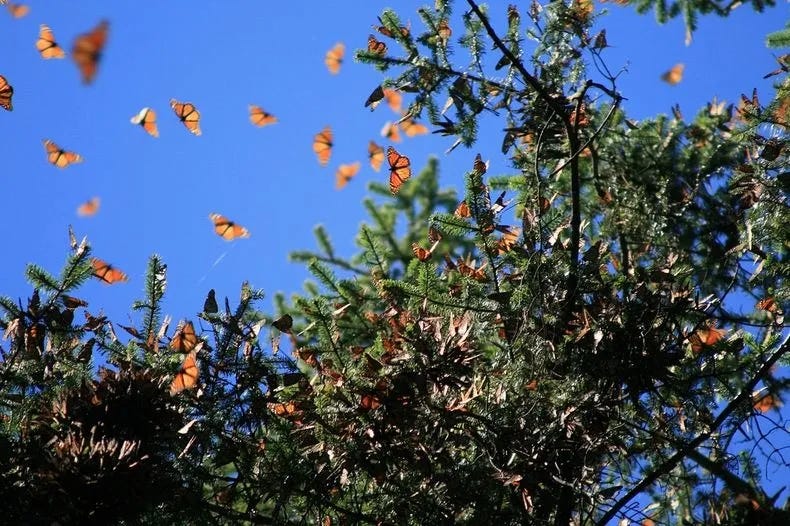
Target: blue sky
(157,193)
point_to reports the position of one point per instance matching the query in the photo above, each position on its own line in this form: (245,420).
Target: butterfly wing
(87,50)
(412,128)
(46,44)
(227,229)
(334,58)
(188,114)
(260,118)
(187,375)
(185,340)
(394,100)
(674,75)
(89,208)
(345,173)
(376,47)
(106,272)
(18,10)
(6,93)
(376,155)
(322,145)
(58,156)
(400,169)
(147,119)
(391,132)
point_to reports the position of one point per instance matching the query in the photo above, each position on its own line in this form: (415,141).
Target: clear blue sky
(157,193)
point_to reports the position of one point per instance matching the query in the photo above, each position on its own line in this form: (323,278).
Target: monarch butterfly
(46,44)
(345,173)
(18,10)
(147,119)
(462,210)
(375,98)
(189,115)
(509,238)
(705,337)
(106,272)
(6,92)
(479,166)
(444,31)
(767,304)
(89,208)
(421,253)
(334,58)
(283,408)
(227,229)
(376,47)
(322,145)
(260,118)
(376,155)
(59,157)
(765,402)
(184,340)
(403,30)
(412,128)
(674,75)
(394,99)
(187,375)
(87,50)
(400,169)
(391,132)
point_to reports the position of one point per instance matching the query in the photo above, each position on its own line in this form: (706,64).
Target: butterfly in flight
(674,75)
(400,169)
(185,339)
(60,157)
(106,272)
(227,229)
(147,119)
(391,132)
(345,173)
(260,118)
(89,208)
(394,99)
(376,155)
(187,375)
(46,44)
(412,128)
(188,114)
(334,58)
(375,97)
(87,50)
(18,10)
(6,93)
(322,145)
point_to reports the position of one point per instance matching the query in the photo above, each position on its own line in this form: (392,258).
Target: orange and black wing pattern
(6,94)
(260,118)
(60,157)
(46,44)
(345,173)
(391,132)
(87,50)
(147,119)
(187,375)
(185,339)
(400,169)
(188,114)
(376,155)
(227,229)
(89,208)
(322,145)
(674,75)
(107,273)
(376,47)
(412,128)
(334,58)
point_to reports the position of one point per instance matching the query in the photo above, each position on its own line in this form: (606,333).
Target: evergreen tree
(559,345)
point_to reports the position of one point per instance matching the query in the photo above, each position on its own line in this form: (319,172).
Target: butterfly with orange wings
(106,272)
(147,119)
(376,155)
(345,173)
(706,336)
(46,44)
(60,157)
(6,93)
(89,208)
(322,145)
(260,118)
(185,339)
(188,114)
(87,50)
(227,229)
(403,30)
(391,132)
(412,128)
(376,46)
(674,75)
(18,10)
(400,169)
(334,58)
(187,375)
